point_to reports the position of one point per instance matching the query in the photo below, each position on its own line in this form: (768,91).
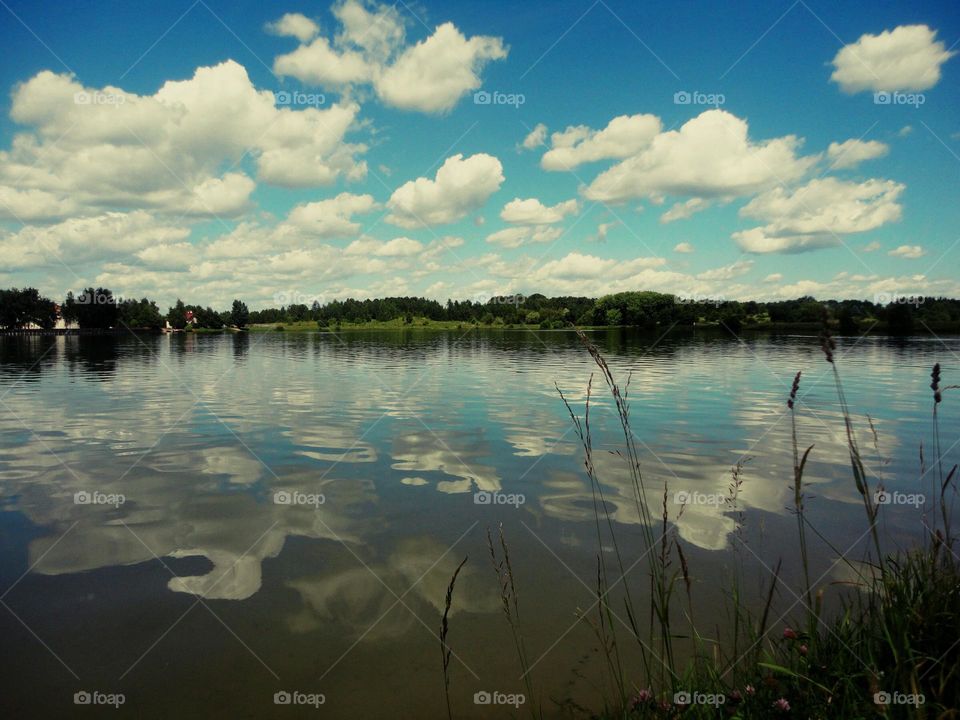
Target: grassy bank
(886,646)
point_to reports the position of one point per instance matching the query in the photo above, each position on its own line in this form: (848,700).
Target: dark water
(200,593)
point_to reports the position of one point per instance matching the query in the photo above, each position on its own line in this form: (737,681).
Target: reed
(895,632)
(445,650)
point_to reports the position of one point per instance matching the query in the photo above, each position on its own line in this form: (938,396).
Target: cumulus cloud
(727,272)
(524,235)
(532,212)
(911,252)
(293,25)
(684,248)
(710,156)
(435,73)
(74,241)
(398,247)
(87,150)
(622,137)
(851,153)
(332,217)
(905,58)
(536,137)
(817,214)
(460,186)
(429,76)
(683,210)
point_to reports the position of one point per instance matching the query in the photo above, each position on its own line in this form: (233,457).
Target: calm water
(201,595)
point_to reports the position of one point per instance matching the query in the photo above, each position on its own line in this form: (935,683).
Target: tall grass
(896,630)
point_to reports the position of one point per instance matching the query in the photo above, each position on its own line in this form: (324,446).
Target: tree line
(98,308)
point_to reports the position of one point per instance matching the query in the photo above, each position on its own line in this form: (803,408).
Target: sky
(300,151)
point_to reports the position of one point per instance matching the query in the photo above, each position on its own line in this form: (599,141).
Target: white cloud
(536,137)
(459,187)
(435,73)
(905,58)
(516,236)
(73,241)
(911,252)
(398,247)
(727,272)
(683,210)
(320,64)
(710,156)
(293,25)
(817,214)
(430,76)
(773,278)
(332,217)
(603,229)
(532,212)
(623,136)
(165,152)
(578,266)
(174,256)
(871,246)
(684,248)
(851,153)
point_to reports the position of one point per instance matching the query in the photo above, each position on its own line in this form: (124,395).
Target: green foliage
(177,315)
(239,315)
(140,314)
(19,308)
(95,308)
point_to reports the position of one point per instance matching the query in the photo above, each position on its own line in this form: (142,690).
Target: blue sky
(150,147)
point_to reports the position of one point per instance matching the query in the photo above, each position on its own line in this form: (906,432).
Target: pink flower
(790,634)
(782,705)
(750,690)
(803,650)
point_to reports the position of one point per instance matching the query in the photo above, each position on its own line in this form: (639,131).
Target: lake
(198,522)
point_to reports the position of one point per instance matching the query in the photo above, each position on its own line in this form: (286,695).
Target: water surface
(201,595)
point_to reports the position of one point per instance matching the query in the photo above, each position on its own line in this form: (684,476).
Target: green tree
(177,315)
(239,314)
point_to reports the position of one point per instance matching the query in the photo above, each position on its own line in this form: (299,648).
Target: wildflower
(793,391)
(750,690)
(790,634)
(803,650)
(782,705)
(642,698)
